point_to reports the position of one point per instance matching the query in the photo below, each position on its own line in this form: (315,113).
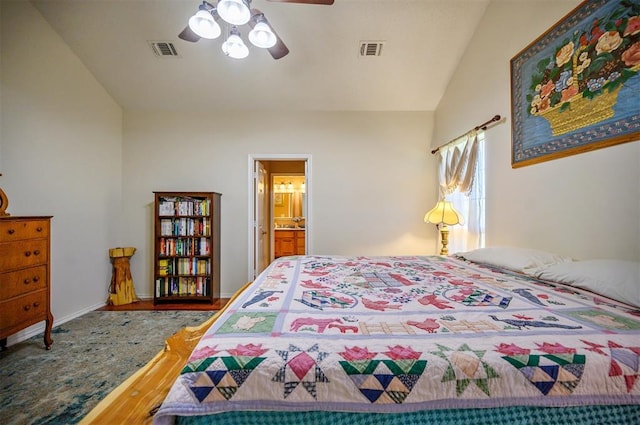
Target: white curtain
(461,178)
(457,164)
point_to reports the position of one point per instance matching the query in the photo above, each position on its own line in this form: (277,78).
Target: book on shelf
(166,227)
(183,206)
(163,267)
(182,286)
(167,207)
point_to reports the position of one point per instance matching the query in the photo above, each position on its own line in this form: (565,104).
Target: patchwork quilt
(404,334)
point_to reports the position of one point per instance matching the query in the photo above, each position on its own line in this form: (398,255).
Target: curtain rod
(482,126)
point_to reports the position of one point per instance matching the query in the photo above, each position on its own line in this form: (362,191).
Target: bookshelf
(187,247)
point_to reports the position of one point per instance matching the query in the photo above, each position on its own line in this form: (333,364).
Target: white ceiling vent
(163,49)
(371,48)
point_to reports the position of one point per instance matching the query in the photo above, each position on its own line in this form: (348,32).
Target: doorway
(277,178)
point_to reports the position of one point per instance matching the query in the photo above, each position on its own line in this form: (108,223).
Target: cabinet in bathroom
(289,242)
(300,245)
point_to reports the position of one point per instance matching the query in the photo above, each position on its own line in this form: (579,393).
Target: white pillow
(521,260)
(615,279)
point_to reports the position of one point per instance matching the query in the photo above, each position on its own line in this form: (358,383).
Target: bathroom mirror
(288,196)
(282,205)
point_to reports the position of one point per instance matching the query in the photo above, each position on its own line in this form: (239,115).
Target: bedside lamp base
(444,233)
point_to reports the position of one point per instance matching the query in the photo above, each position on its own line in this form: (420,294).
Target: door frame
(251,223)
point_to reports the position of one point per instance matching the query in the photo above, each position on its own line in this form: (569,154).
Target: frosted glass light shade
(443,213)
(235,48)
(262,36)
(236,12)
(203,24)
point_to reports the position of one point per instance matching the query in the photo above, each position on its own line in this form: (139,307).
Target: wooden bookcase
(187,247)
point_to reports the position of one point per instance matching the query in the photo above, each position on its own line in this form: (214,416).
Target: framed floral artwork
(278,199)
(576,88)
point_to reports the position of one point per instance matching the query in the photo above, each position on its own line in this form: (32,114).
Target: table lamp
(443,215)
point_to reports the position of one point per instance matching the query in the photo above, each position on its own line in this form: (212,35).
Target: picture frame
(575,88)
(278,199)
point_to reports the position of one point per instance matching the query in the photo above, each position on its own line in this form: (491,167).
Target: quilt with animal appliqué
(403,334)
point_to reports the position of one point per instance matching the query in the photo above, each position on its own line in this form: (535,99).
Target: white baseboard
(36,329)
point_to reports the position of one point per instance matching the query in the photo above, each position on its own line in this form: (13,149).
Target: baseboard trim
(36,329)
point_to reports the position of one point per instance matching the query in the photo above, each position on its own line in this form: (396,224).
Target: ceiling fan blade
(327,2)
(279,50)
(188,35)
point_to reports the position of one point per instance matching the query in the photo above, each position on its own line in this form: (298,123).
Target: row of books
(171,247)
(180,286)
(183,206)
(185,227)
(183,266)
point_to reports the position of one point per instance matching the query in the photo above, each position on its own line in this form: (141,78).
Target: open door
(261,223)
(261,219)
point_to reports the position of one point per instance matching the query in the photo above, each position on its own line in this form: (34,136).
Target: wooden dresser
(24,275)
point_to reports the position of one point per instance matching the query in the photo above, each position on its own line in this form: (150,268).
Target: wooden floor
(147,304)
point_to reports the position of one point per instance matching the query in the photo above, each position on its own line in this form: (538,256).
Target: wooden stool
(122,289)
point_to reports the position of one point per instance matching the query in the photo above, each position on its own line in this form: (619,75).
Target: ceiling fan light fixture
(204,25)
(262,36)
(235,12)
(234,47)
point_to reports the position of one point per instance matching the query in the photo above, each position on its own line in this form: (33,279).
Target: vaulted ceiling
(422,43)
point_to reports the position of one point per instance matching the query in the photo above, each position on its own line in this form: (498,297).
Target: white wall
(61,137)
(586,205)
(372,178)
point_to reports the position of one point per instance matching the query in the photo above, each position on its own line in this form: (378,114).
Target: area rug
(90,356)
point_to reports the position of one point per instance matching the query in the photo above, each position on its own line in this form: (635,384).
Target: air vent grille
(163,49)
(371,48)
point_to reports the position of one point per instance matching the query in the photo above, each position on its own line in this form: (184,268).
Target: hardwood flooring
(147,304)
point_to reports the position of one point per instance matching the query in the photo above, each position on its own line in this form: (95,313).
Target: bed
(393,340)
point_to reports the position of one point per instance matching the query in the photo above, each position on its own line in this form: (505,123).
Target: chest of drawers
(25,269)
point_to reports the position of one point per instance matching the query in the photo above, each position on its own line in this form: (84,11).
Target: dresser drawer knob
(27,254)
(39,229)
(11,231)
(26,307)
(36,252)
(36,278)
(26,281)
(36,304)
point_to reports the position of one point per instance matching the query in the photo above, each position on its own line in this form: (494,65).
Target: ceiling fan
(205,24)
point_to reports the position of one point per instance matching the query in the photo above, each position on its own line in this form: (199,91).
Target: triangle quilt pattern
(466,366)
(625,361)
(551,374)
(384,381)
(301,368)
(220,377)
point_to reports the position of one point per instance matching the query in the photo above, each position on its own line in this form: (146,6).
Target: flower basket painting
(577,87)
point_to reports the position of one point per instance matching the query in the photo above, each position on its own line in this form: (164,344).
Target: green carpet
(90,356)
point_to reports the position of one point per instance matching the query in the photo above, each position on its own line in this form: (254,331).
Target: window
(471,234)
